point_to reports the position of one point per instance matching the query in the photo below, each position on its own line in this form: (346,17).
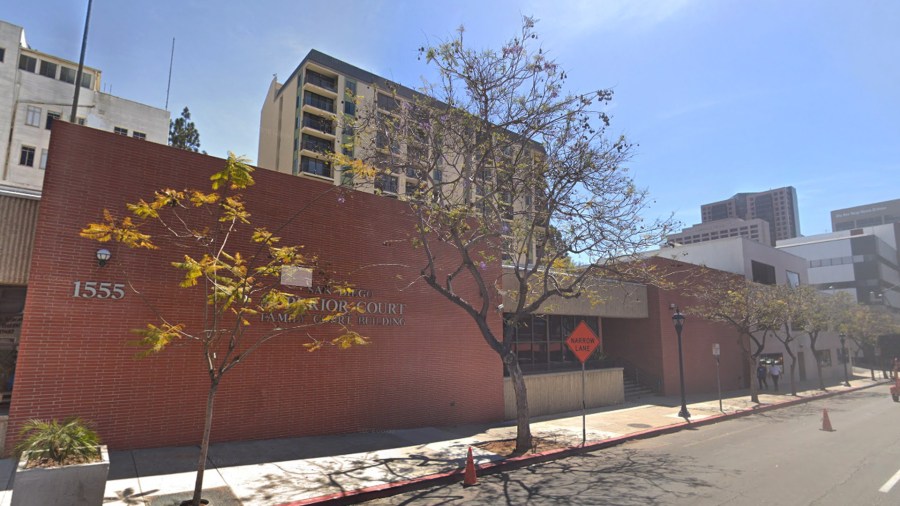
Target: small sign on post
(582,341)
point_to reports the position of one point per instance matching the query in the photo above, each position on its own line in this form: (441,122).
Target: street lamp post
(678,319)
(844,358)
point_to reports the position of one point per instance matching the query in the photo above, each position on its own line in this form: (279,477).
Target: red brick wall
(652,343)
(73,358)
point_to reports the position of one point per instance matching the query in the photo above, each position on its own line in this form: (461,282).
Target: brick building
(73,358)
(430,367)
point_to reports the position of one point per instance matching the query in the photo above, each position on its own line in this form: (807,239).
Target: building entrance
(12,304)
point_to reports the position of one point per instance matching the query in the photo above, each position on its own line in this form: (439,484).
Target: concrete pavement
(313,470)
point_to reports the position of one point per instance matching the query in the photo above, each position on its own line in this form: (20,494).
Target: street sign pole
(582,342)
(716,353)
(583,410)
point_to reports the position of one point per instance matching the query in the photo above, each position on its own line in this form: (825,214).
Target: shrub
(51,443)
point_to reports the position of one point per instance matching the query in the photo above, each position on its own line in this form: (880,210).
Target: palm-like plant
(57,442)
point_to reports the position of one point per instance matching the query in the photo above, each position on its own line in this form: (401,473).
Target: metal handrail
(638,375)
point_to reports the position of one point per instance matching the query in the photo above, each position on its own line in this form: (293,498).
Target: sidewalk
(312,469)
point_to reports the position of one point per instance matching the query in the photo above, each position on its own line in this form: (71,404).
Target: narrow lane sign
(582,341)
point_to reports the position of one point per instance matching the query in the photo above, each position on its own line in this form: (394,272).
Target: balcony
(316,145)
(315,167)
(321,80)
(319,124)
(317,101)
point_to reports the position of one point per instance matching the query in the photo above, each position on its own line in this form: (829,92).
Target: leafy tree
(819,313)
(785,310)
(509,168)
(745,306)
(864,325)
(239,281)
(183,134)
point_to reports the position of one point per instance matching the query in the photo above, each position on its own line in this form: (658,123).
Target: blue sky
(722,96)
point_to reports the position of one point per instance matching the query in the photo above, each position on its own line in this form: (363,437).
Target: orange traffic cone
(826,423)
(470,478)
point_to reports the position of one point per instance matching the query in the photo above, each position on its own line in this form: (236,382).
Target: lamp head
(678,319)
(103,256)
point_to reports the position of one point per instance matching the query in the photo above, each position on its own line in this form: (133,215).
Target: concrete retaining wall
(561,392)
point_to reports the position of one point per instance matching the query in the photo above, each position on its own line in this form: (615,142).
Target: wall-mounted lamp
(103,256)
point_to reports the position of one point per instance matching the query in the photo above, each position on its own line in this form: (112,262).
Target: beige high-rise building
(778,207)
(304,118)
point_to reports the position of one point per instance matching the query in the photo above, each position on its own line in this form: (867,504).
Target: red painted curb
(394,488)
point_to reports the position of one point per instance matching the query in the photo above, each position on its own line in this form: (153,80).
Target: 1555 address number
(98,290)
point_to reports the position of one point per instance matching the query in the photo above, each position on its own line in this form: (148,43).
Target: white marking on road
(888,485)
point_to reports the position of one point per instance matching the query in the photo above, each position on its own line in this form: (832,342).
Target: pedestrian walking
(775,371)
(761,373)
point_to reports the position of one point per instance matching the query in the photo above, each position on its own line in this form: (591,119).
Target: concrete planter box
(76,485)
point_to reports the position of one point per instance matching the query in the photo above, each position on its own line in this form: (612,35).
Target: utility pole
(87,22)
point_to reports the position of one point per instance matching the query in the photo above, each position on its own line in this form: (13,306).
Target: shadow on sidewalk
(614,476)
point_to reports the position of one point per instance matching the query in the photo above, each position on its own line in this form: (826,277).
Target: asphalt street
(779,457)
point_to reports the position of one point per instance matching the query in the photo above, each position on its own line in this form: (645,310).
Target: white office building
(37,89)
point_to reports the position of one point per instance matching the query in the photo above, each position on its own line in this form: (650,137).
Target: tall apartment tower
(778,207)
(304,118)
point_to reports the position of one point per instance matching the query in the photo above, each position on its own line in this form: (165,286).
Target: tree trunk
(870,351)
(523,427)
(815,355)
(754,390)
(793,367)
(793,382)
(204,443)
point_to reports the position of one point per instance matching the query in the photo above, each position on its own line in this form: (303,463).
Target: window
(350,98)
(383,141)
(33,116)
(27,63)
(793,279)
(67,75)
(540,342)
(347,140)
(387,102)
(762,273)
(824,357)
(26,157)
(412,190)
(43,164)
(2,54)
(121,131)
(80,121)
(318,101)
(321,80)
(387,183)
(51,117)
(139,135)
(48,69)
(347,177)
(86,80)
(315,166)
